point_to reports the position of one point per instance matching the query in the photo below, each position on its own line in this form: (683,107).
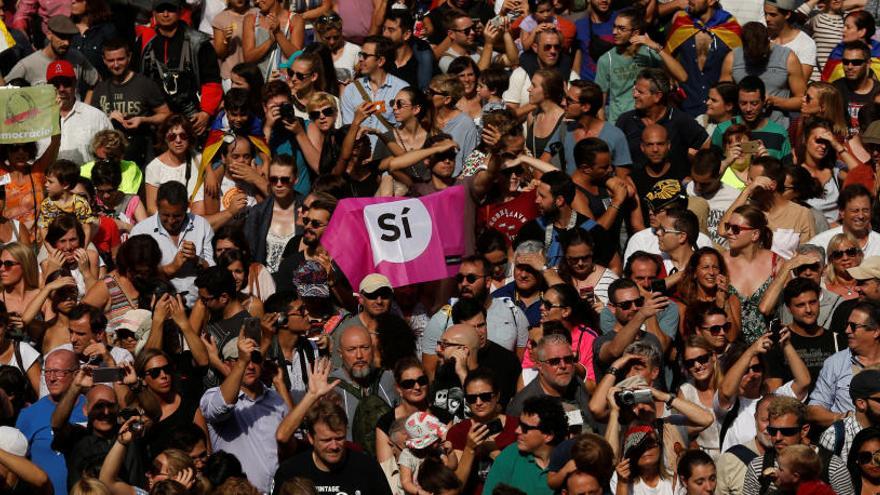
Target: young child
(799,471)
(493,82)
(425,434)
(61,178)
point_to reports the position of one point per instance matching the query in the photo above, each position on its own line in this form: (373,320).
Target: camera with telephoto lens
(286,112)
(629,398)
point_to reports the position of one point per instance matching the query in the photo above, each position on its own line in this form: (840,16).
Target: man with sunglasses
(788,426)
(375,297)
(547,53)
(462,33)
(830,400)
(79,122)
(859,86)
(457,351)
(864,390)
(813,343)
(507,324)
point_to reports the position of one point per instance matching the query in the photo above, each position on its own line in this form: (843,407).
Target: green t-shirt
(773,135)
(132,177)
(616,75)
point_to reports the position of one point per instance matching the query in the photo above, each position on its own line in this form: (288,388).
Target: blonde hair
(833,244)
(700,342)
(89,486)
(830,107)
(110,139)
(802,460)
(449,84)
(177,461)
(320,99)
(25,256)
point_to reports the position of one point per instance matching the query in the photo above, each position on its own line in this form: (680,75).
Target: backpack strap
(839,436)
(366,97)
(743,453)
(825,455)
(769,461)
(728,421)
(16,346)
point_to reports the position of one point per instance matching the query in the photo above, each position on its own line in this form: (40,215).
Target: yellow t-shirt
(132,177)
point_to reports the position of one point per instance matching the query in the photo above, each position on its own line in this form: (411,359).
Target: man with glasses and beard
(84,447)
(457,351)
(413,59)
(788,426)
(462,32)
(507,324)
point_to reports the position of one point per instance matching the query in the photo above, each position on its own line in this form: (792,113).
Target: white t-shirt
(212,8)
(664,487)
(646,240)
(743,428)
(805,48)
(158,173)
(872,248)
(347,61)
(519,84)
(29,355)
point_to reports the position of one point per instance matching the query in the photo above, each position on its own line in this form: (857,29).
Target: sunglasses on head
(849,252)
(274,179)
(625,305)
(384,293)
(410,383)
(326,112)
(736,229)
(158,370)
(328,18)
(786,431)
(716,329)
(865,457)
(702,359)
(484,397)
(470,277)
(558,361)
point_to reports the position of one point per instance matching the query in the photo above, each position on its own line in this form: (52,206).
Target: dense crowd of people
(669,282)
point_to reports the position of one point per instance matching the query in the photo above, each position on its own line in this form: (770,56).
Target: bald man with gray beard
(457,353)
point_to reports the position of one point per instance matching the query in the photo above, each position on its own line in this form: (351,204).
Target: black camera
(281,321)
(286,112)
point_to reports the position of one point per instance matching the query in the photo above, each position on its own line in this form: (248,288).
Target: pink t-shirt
(582,338)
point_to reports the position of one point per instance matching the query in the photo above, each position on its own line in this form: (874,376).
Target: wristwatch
(669,401)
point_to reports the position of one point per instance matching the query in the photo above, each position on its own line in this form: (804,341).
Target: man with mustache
(85,447)
(358,374)
(457,353)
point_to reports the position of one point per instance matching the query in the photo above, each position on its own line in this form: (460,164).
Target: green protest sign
(28,114)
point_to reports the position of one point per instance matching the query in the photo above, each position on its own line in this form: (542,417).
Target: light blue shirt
(464,132)
(246,429)
(832,386)
(196,230)
(351,99)
(506,325)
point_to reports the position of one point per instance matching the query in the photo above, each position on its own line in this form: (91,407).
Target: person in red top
(477,440)
(799,470)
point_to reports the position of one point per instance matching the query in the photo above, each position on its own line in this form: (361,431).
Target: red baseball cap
(60,68)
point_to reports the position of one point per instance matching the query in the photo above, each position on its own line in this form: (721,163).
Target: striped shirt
(827,30)
(838,477)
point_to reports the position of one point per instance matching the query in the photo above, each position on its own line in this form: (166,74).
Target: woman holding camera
(476,441)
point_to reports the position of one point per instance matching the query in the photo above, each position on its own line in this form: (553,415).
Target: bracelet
(616,207)
(612,371)
(670,400)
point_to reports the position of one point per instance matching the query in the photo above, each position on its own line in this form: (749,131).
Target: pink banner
(409,240)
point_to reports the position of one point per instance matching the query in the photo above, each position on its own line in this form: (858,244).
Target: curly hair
(688,288)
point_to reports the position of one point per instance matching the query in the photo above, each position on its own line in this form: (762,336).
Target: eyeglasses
(552,47)
(466,31)
(574,260)
(328,18)
(313,223)
(384,293)
(663,230)
(400,104)
(549,305)
(736,229)
(443,344)
(858,62)
(853,326)
(299,76)
(559,361)
(59,373)
(174,136)
(410,383)
(625,305)
(702,359)
(366,55)
(470,277)
(814,267)
(755,368)
(527,428)
(433,92)
(158,370)
(8,264)
(326,112)
(484,397)
(623,29)
(573,101)
(849,252)
(274,179)
(716,329)
(165,8)
(786,431)
(865,457)
(518,170)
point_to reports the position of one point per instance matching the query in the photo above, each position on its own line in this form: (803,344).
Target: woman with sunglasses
(412,388)
(322,139)
(170,400)
(179,161)
(410,108)
(708,321)
(579,270)
(19,275)
(703,377)
(705,280)
(477,440)
(27,178)
(271,35)
(306,77)
(271,224)
(444,92)
(751,264)
(52,328)
(863,461)
(843,253)
(465,68)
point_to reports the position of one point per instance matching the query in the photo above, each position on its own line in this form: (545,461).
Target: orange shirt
(24,193)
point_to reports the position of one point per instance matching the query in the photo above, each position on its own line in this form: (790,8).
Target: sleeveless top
(774,75)
(537,145)
(119,302)
(275,57)
(753,322)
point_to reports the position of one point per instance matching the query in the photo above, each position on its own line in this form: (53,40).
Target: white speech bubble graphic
(399,231)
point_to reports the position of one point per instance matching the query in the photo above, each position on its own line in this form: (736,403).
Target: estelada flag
(722,26)
(510,216)
(409,240)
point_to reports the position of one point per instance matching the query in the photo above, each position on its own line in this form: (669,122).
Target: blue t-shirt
(35,423)
(614,137)
(589,32)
